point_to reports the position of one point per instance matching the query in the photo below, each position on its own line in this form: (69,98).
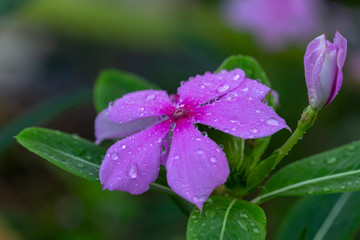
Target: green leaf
(337,170)
(69,152)
(243,156)
(337,217)
(43,113)
(261,171)
(227,218)
(112,84)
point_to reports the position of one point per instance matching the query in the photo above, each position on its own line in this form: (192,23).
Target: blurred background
(52,51)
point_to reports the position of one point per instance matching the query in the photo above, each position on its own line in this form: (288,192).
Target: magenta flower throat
(160,130)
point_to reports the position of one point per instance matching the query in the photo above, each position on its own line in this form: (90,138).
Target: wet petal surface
(242,117)
(141,104)
(203,88)
(196,164)
(133,163)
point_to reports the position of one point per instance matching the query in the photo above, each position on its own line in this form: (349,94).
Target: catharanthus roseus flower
(195,164)
(323,69)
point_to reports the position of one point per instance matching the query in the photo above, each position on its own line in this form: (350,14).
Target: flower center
(179,113)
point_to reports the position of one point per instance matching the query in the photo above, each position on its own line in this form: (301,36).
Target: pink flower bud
(323,64)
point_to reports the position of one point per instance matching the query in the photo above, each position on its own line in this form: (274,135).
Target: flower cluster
(162,131)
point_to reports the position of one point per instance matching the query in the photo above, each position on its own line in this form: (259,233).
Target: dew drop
(231,96)
(204,133)
(210,213)
(236,77)
(221,146)
(243,215)
(254,130)
(331,160)
(163,151)
(245,89)
(132,170)
(114,156)
(326,189)
(213,159)
(223,88)
(272,122)
(257,111)
(200,151)
(123,146)
(176,157)
(198,139)
(255,230)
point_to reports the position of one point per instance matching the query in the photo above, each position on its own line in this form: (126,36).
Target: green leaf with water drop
(337,217)
(224,218)
(334,171)
(112,84)
(69,152)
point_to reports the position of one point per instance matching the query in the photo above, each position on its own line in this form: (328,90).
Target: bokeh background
(52,51)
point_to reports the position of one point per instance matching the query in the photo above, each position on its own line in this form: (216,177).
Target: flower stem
(306,121)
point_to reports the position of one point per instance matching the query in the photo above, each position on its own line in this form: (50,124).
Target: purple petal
(203,88)
(242,117)
(133,163)
(107,129)
(141,104)
(196,165)
(341,43)
(313,62)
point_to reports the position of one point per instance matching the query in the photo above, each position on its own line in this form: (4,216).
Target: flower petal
(140,104)
(341,44)
(133,163)
(242,117)
(107,129)
(251,89)
(203,88)
(196,165)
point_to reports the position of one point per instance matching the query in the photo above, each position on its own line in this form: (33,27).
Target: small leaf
(337,170)
(69,152)
(112,84)
(337,217)
(227,218)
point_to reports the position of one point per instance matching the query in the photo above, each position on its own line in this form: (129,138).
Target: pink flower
(275,22)
(323,69)
(195,164)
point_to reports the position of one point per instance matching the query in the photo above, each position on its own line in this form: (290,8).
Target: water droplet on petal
(114,156)
(254,130)
(182,83)
(272,122)
(200,199)
(236,77)
(132,170)
(123,146)
(198,139)
(200,151)
(204,133)
(257,111)
(245,89)
(223,88)
(176,157)
(213,159)
(221,146)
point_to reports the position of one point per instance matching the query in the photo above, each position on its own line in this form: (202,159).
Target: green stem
(306,121)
